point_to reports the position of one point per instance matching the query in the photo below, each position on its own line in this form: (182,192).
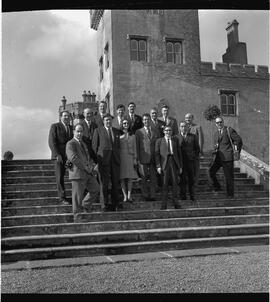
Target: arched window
(174,51)
(138,49)
(228,102)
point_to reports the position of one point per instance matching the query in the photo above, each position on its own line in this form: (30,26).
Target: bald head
(87,113)
(189,118)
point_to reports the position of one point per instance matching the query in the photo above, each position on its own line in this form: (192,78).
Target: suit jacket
(116,124)
(58,138)
(136,124)
(102,148)
(88,132)
(146,145)
(159,126)
(78,154)
(173,123)
(98,120)
(197,130)
(223,145)
(189,147)
(161,152)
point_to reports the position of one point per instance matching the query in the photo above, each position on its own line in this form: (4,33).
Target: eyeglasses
(167,130)
(219,122)
(125,123)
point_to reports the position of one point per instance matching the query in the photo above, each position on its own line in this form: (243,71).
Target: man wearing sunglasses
(223,155)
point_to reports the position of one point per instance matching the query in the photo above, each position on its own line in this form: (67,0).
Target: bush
(211,112)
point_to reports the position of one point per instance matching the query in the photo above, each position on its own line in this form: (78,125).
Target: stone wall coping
(255,163)
(231,69)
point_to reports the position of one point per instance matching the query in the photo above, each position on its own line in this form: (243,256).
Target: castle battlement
(233,69)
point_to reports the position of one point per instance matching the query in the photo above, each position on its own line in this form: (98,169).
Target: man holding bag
(227,144)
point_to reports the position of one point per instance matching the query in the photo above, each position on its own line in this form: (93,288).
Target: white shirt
(170,143)
(110,129)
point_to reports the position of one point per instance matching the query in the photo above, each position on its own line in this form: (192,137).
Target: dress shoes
(130,200)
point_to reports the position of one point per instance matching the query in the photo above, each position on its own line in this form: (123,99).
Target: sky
(50,54)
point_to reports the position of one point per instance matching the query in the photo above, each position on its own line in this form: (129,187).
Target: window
(174,51)
(138,49)
(101,69)
(155,11)
(106,53)
(228,102)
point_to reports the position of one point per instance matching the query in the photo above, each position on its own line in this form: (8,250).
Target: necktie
(110,136)
(67,129)
(148,132)
(132,118)
(169,149)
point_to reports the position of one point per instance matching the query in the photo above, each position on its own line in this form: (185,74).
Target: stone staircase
(35,226)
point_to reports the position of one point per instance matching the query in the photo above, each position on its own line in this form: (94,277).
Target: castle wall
(189,87)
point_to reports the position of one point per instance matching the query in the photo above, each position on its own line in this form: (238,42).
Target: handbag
(236,153)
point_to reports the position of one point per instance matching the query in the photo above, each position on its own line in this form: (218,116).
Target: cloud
(25,132)
(67,39)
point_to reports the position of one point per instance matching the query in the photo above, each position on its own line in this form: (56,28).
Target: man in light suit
(169,163)
(156,123)
(60,133)
(102,110)
(80,173)
(169,121)
(145,142)
(134,120)
(223,155)
(197,130)
(106,145)
(117,121)
(89,126)
(190,152)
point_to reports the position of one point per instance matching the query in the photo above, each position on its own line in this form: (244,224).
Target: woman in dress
(128,161)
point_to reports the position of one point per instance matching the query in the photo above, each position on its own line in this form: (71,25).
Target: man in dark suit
(169,121)
(190,151)
(145,142)
(106,145)
(156,123)
(223,155)
(102,110)
(135,121)
(118,119)
(60,133)
(169,163)
(197,130)
(80,173)
(89,126)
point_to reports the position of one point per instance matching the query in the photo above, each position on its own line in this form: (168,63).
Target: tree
(210,114)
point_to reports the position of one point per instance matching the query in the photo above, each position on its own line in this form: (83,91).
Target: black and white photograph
(135,151)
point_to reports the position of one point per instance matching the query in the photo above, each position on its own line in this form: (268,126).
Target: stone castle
(153,57)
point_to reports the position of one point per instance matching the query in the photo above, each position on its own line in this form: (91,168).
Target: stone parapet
(233,70)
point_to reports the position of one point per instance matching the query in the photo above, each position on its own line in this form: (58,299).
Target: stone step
(130,247)
(31,167)
(63,223)
(141,235)
(41,201)
(16,162)
(51,179)
(53,193)
(29,173)
(60,209)
(52,185)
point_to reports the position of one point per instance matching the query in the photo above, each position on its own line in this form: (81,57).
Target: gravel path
(245,272)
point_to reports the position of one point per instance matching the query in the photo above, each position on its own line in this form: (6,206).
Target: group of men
(164,152)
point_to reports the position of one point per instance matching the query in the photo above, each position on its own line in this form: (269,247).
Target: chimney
(93,97)
(88,96)
(84,96)
(64,101)
(236,51)
(232,33)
